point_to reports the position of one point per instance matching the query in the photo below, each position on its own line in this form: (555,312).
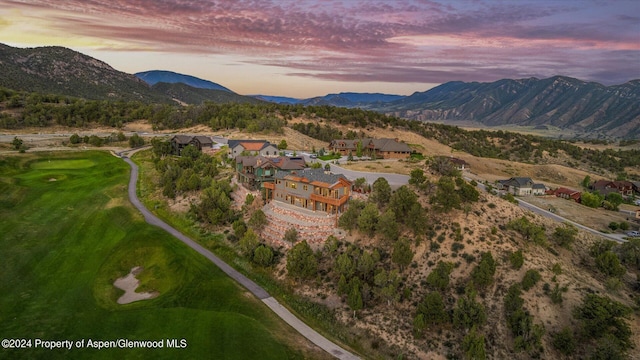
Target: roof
(517,181)
(253,146)
(234,143)
(312,176)
(181,139)
(539,186)
(282,162)
(186,139)
(390,145)
(289,163)
(566,191)
(383,144)
(204,140)
(458,161)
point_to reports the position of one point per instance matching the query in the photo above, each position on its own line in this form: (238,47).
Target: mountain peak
(153,77)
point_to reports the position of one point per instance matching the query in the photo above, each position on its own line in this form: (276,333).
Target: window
(291,185)
(305,187)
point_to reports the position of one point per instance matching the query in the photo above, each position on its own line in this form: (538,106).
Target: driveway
(395,180)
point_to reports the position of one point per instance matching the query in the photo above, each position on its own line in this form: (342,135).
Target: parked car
(313,156)
(633,233)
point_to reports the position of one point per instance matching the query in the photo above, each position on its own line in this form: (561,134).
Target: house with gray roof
(200,142)
(521,186)
(312,189)
(253,171)
(379,148)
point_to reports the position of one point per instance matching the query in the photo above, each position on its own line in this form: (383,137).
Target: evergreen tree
(368,219)
(473,346)
(469,313)
(388,225)
(401,202)
(446,198)
(433,310)
(438,279)
(301,262)
(381,192)
(248,243)
(482,274)
(258,220)
(402,254)
(263,255)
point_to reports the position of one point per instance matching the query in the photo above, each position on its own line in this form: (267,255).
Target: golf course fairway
(68,231)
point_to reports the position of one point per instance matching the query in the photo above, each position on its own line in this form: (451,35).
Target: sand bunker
(129,284)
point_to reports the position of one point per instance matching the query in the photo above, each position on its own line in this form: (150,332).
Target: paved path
(254,288)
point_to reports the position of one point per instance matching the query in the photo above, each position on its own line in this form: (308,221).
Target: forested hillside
(434,269)
(19,109)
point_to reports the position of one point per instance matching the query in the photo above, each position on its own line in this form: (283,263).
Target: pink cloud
(354,40)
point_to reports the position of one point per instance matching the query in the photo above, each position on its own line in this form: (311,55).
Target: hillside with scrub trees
(433,269)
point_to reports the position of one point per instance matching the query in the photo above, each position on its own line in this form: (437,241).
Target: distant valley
(587,109)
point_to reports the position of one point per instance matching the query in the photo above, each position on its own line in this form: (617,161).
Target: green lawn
(67,231)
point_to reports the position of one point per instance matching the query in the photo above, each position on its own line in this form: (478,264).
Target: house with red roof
(251,147)
(568,194)
(604,187)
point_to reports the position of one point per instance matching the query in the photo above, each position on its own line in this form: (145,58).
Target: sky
(305,48)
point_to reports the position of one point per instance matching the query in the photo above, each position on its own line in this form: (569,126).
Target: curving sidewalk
(254,288)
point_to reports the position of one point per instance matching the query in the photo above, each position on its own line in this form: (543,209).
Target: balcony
(330,200)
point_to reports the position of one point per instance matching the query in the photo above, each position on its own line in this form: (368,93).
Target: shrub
(564,341)
(516,259)
(483,273)
(438,279)
(609,264)
(263,255)
(531,277)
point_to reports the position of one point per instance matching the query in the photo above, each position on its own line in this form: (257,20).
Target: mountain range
(59,70)
(564,102)
(585,107)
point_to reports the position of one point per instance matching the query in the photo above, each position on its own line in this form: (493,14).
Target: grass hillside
(68,231)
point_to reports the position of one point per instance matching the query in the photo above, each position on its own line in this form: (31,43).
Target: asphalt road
(527,206)
(254,288)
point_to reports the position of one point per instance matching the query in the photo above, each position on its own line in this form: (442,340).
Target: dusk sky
(305,48)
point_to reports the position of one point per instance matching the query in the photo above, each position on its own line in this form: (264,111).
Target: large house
(179,142)
(253,171)
(604,187)
(521,186)
(380,148)
(251,147)
(312,189)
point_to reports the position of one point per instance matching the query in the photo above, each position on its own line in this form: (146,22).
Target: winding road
(254,288)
